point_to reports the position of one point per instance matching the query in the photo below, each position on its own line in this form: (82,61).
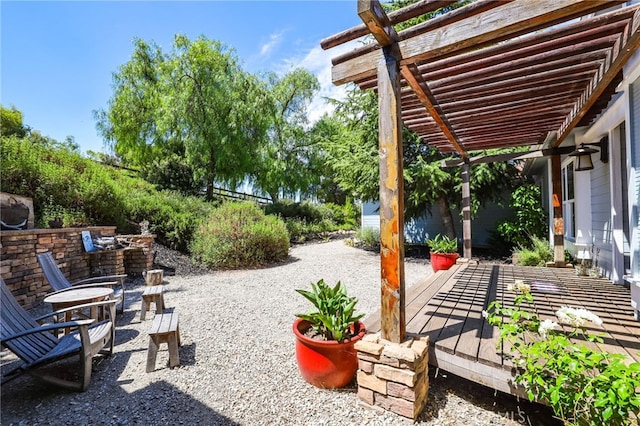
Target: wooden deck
(448,307)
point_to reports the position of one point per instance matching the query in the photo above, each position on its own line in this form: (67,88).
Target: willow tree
(194,102)
(287,164)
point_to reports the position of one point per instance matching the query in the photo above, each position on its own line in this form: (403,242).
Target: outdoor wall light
(583,154)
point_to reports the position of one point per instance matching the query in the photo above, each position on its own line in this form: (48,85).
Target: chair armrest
(76,307)
(48,327)
(119,278)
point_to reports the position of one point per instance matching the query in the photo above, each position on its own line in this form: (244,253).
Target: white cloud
(318,62)
(268,47)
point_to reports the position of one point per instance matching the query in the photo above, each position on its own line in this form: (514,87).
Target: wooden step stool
(164,329)
(153,294)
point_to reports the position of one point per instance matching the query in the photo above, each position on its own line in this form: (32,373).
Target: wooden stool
(153,276)
(152,294)
(164,330)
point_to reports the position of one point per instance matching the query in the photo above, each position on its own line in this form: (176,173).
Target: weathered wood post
(392,321)
(466,210)
(558,221)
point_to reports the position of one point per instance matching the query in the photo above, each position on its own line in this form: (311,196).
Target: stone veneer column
(394,376)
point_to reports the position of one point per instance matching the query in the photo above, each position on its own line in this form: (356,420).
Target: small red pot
(328,364)
(443,261)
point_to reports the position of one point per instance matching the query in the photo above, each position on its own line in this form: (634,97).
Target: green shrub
(239,234)
(530,219)
(307,220)
(369,238)
(538,255)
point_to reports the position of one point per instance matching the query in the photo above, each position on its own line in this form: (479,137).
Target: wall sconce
(583,154)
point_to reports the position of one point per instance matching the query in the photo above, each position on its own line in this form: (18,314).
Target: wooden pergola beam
(419,86)
(497,23)
(611,67)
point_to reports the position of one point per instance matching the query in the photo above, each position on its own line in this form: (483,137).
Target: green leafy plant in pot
(444,252)
(325,336)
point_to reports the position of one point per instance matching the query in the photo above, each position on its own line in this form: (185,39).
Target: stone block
(366,395)
(400,352)
(396,405)
(372,382)
(366,357)
(398,375)
(368,347)
(365,366)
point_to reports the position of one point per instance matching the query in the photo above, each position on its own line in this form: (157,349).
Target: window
(568,202)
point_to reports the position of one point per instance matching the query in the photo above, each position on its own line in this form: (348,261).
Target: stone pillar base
(394,376)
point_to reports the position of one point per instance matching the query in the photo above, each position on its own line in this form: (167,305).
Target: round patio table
(80,296)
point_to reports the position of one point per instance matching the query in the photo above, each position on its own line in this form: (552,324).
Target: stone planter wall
(21,272)
(394,376)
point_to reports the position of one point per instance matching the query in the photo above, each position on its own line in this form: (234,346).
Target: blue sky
(57,58)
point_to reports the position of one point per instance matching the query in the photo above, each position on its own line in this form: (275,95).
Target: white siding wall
(601,214)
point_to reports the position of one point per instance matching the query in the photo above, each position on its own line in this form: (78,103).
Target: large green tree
(287,164)
(195,103)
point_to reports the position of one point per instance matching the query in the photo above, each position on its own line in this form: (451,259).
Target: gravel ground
(237,357)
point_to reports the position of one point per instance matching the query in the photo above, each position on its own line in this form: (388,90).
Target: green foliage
(530,218)
(82,192)
(537,253)
(334,314)
(11,122)
(583,385)
(369,238)
(307,220)
(172,217)
(194,101)
(288,163)
(239,234)
(443,244)
(350,142)
(61,183)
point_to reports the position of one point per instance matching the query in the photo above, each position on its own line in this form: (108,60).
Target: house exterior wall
(417,231)
(601,229)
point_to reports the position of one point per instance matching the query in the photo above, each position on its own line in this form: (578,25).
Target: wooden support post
(392,320)
(558,220)
(466,210)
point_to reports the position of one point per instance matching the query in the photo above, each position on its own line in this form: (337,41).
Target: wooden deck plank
(448,306)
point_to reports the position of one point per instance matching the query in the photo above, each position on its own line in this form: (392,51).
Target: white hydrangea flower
(522,287)
(577,316)
(485,314)
(545,326)
(510,287)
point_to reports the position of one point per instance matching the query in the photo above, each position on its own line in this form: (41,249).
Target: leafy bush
(538,255)
(307,220)
(369,238)
(583,385)
(239,234)
(530,219)
(82,192)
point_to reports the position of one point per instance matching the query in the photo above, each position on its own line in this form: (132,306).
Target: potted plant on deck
(325,337)
(444,252)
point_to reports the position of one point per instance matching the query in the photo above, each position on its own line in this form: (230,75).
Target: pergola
(491,74)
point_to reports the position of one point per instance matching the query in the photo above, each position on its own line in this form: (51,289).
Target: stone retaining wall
(394,376)
(20,270)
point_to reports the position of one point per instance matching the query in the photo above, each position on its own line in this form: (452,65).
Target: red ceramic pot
(328,364)
(443,261)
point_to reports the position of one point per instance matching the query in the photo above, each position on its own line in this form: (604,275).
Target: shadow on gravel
(446,388)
